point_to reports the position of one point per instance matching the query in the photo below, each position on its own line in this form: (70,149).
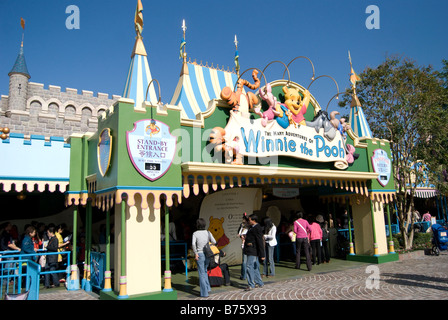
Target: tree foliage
(406,104)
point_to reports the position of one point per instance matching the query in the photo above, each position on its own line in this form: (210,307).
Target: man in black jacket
(254,249)
(52,260)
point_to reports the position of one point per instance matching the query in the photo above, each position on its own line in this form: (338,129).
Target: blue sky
(96,56)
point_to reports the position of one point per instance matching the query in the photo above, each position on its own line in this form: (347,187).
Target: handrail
(184,258)
(20,256)
(14,273)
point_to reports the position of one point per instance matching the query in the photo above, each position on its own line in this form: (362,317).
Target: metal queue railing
(20,273)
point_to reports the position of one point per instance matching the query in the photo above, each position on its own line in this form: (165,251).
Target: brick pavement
(421,278)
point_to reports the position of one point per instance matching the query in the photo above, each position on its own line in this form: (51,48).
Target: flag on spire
(182,42)
(182,45)
(237,56)
(353,76)
(138,20)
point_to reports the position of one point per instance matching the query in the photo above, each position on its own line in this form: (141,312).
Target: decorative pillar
(123,282)
(352,249)
(375,243)
(168,287)
(85,284)
(391,241)
(74,278)
(107,272)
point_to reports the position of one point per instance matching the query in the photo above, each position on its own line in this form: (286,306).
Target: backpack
(215,277)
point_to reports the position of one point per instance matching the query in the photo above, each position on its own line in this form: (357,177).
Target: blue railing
(19,277)
(177,256)
(16,267)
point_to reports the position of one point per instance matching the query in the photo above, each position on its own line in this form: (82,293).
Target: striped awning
(205,175)
(17,184)
(34,163)
(197,86)
(106,198)
(425,193)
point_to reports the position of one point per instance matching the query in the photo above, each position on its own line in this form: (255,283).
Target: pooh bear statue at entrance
(294,104)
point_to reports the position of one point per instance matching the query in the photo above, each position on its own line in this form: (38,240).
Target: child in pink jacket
(315,237)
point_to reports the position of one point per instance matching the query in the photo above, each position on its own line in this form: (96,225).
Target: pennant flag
(22,23)
(237,64)
(138,20)
(354,77)
(182,45)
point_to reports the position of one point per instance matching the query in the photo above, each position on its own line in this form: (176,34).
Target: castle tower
(18,83)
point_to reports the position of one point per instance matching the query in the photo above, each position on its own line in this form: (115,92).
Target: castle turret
(18,83)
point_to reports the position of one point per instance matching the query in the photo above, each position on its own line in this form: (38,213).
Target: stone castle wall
(34,110)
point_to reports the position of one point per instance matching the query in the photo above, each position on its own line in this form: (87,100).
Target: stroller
(439,238)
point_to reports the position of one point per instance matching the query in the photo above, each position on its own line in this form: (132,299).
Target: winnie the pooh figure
(294,103)
(217,230)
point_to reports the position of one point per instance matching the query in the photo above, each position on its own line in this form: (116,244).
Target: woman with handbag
(201,238)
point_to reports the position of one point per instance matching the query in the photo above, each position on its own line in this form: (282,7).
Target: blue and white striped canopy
(202,84)
(358,122)
(139,77)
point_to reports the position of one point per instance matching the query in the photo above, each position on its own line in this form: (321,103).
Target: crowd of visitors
(258,242)
(36,239)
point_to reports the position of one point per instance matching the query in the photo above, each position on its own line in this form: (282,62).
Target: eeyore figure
(321,120)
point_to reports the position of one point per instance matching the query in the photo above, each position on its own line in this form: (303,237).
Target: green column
(391,241)
(88,240)
(75,231)
(123,282)
(73,284)
(107,272)
(167,251)
(352,251)
(108,240)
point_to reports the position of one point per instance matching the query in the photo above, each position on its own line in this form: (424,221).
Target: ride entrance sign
(151,148)
(381,165)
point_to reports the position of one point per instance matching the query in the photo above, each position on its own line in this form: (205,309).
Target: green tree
(404,103)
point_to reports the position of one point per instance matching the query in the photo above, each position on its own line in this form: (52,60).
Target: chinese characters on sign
(151,148)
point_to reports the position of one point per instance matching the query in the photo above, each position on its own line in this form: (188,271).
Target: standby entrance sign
(151,148)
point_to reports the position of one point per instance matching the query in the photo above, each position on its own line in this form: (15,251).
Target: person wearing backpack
(200,238)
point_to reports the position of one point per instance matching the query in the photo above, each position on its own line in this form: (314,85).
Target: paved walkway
(424,278)
(420,278)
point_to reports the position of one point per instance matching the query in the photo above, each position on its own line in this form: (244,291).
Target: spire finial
(138,20)
(237,56)
(182,52)
(22,23)
(139,48)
